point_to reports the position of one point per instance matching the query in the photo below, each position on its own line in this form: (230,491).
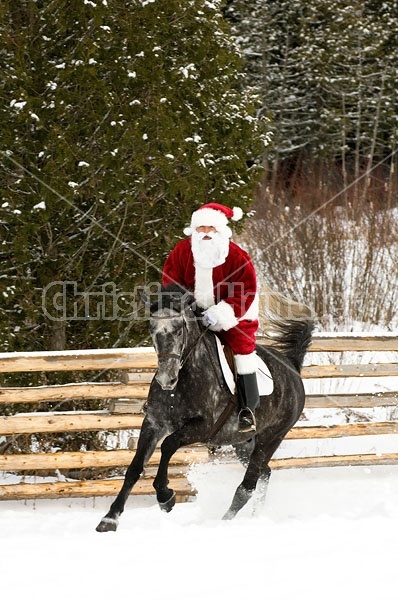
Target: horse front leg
(149,437)
(188,434)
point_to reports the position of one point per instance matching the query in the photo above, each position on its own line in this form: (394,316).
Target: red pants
(240,338)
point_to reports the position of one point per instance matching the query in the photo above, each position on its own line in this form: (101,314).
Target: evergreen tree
(326,73)
(117,120)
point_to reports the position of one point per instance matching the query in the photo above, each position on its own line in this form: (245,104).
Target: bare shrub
(336,253)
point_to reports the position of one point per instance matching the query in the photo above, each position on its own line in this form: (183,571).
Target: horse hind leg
(244,451)
(260,494)
(241,497)
(258,471)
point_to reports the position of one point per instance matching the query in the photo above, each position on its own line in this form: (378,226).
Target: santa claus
(223,280)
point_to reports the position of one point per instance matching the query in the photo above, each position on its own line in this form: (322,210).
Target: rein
(199,339)
(173,354)
(233,400)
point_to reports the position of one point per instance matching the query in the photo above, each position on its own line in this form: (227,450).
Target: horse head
(172,317)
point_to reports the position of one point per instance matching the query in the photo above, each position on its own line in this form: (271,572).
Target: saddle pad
(264,378)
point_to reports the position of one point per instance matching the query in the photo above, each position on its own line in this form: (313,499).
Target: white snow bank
(323,533)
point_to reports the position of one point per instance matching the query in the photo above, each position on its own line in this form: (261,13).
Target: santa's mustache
(201,235)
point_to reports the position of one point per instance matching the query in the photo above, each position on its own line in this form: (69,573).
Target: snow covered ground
(322,533)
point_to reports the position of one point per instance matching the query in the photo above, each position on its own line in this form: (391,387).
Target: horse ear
(189,301)
(191,304)
(142,294)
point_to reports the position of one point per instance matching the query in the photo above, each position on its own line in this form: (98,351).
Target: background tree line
(325,224)
(326,75)
(117,120)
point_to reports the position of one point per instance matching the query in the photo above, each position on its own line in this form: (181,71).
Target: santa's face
(206,229)
(209,246)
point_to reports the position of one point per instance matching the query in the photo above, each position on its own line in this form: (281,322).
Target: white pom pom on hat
(237,213)
(214,215)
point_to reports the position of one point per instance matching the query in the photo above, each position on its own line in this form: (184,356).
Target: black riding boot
(248,392)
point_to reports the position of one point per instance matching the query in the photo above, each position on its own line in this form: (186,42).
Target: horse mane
(170,295)
(174,288)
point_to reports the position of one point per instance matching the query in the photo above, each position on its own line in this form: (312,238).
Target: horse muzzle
(169,365)
(165,381)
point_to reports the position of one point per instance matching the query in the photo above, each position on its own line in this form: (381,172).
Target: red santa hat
(215,215)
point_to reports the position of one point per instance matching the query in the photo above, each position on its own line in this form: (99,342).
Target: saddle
(226,357)
(228,367)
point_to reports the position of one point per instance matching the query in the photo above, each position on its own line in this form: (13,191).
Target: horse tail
(291,337)
(287,324)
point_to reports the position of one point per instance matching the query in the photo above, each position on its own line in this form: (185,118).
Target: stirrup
(247,420)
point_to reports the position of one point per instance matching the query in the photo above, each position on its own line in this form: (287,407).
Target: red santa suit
(228,290)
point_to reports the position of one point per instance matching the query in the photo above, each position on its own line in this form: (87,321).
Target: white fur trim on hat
(214,215)
(208,216)
(224,231)
(246,363)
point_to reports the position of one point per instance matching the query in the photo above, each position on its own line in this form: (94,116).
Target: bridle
(173,355)
(231,405)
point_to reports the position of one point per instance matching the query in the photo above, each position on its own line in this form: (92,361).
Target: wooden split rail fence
(126,398)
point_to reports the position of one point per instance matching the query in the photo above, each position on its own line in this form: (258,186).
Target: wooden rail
(73,391)
(57,422)
(88,488)
(333,371)
(88,422)
(83,360)
(86,460)
(357,343)
(125,401)
(351,400)
(354,460)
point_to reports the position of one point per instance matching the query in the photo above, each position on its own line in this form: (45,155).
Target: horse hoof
(169,504)
(228,515)
(107,524)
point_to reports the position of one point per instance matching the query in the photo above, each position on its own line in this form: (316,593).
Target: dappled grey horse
(188,394)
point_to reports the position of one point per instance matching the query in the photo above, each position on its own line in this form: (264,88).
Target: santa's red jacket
(231,286)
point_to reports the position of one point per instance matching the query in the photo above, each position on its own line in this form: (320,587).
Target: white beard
(209,253)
